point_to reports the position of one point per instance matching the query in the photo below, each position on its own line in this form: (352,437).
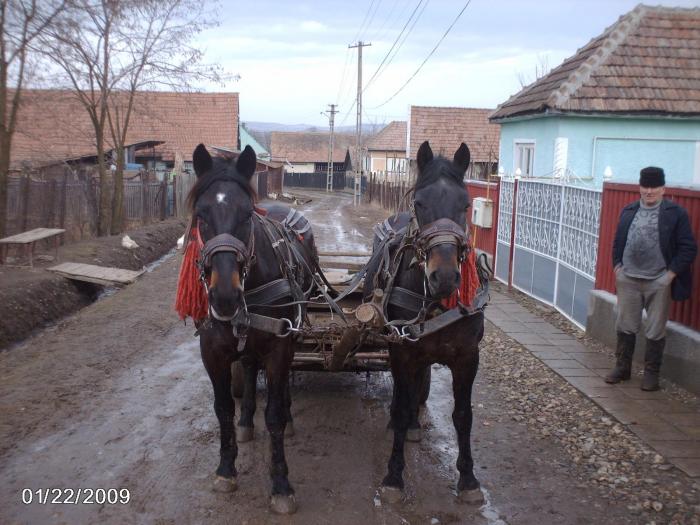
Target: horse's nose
(443,281)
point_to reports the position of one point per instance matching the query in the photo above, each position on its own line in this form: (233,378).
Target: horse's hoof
(391,494)
(414,435)
(245,434)
(289,430)
(281,504)
(222,484)
(472,497)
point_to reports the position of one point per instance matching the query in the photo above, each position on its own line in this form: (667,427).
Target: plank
(96,274)
(32,236)
(344,254)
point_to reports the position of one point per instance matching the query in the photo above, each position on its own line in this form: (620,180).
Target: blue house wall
(624,144)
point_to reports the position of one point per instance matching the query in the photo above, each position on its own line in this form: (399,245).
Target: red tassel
(469,283)
(191,299)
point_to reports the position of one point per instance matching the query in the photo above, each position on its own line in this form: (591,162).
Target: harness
(429,316)
(285,238)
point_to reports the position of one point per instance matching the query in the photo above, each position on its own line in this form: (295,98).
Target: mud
(116,396)
(33,297)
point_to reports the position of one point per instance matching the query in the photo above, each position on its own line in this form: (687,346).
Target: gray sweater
(642,257)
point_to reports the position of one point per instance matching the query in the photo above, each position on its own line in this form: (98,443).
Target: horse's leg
(392,484)
(277,372)
(218,365)
(289,429)
(463,374)
(246,431)
(414,433)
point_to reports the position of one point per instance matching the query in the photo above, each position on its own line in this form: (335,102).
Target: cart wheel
(237,379)
(424,385)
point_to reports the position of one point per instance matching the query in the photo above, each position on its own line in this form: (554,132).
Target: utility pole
(358,125)
(331,121)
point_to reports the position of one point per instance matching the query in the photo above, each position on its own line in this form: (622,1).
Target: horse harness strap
(420,240)
(448,317)
(225,242)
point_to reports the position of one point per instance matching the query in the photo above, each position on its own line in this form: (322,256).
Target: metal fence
(315,180)
(552,253)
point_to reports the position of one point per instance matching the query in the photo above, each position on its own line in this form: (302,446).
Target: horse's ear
(425,155)
(201,160)
(462,157)
(245,165)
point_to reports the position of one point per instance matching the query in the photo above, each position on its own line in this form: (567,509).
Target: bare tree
(81,45)
(541,69)
(155,52)
(21,22)
(108,51)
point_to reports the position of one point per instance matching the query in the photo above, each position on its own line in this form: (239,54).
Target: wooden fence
(72,205)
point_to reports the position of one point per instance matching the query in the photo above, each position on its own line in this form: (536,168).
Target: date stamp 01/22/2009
(77,496)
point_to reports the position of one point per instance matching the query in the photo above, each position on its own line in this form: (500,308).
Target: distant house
(165,127)
(446,128)
(246,138)
(386,151)
(307,152)
(628,99)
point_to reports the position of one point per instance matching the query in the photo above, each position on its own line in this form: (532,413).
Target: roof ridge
(613,37)
(451,107)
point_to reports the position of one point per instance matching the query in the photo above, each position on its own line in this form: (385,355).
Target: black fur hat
(652,177)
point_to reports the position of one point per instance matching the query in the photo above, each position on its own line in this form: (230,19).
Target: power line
(342,77)
(426,58)
(374,75)
(381,31)
(371,18)
(362,25)
(403,40)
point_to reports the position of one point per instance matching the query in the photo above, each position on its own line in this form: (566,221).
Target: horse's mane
(222,170)
(436,169)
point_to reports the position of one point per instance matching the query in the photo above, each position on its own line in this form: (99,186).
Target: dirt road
(116,397)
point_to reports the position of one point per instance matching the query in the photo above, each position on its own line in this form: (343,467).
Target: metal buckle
(407,336)
(290,328)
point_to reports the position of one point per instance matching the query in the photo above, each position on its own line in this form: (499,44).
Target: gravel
(602,452)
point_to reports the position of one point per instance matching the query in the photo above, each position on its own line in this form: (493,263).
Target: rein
(421,240)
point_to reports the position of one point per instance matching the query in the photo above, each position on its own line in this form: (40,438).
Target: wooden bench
(28,240)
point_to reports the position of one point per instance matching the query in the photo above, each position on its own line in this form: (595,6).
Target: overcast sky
(293,56)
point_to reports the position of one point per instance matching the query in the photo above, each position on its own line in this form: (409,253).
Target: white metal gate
(556,242)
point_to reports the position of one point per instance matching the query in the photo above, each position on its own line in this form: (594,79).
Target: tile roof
(308,146)
(391,138)
(648,62)
(446,128)
(53,126)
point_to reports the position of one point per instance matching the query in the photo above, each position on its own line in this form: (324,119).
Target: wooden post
(175,207)
(51,205)
(144,200)
(62,205)
(25,202)
(163,198)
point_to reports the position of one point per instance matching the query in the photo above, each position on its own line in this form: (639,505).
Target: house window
(525,158)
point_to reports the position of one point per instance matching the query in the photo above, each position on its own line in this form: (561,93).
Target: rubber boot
(652,364)
(624,353)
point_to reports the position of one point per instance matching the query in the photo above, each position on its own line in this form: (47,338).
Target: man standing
(652,253)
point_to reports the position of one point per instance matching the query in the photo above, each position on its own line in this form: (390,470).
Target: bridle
(226,243)
(441,231)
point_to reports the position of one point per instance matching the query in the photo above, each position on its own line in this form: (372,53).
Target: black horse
(428,251)
(244,251)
